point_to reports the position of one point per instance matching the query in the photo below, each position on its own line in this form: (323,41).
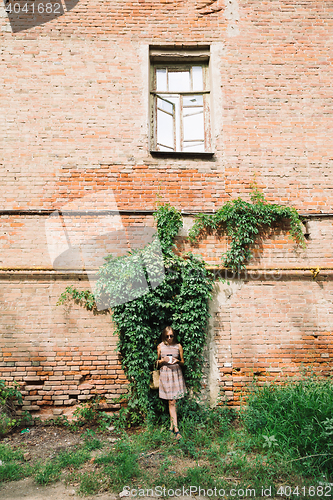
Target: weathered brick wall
(74,121)
(60,355)
(268,331)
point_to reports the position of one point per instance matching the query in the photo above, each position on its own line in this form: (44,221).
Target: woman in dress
(172,384)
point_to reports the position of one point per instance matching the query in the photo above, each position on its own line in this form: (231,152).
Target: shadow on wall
(27,14)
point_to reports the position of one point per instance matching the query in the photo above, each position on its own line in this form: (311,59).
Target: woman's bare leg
(173,416)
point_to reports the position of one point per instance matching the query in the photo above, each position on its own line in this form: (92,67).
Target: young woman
(172,384)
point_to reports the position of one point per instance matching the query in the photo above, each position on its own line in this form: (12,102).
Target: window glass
(161,80)
(193,100)
(191,147)
(165,124)
(164,130)
(193,125)
(179,81)
(197,78)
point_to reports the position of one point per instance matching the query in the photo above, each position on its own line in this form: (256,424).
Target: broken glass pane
(193,100)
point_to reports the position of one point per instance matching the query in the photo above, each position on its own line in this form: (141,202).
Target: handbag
(155,382)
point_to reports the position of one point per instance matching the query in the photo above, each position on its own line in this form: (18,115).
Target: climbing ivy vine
(242,221)
(180,300)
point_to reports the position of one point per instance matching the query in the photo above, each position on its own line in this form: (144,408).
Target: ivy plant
(142,304)
(242,221)
(140,313)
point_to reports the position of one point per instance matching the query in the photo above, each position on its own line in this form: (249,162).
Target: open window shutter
(165,125)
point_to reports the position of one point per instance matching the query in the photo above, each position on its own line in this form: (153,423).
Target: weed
(87,413)
(92,483)
(73,459)
(119,420)
(188,448)
(9,455)
(154,437)
(122,465)
(199,476)
(12,469)
(299,417)
(13,472)
(93,444)
(10,397)
(47,474)
(270,441)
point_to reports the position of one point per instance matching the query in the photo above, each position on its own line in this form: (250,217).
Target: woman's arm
(181,355)
(159,360)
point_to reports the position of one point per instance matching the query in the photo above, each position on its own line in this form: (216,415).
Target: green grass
(92,483)
(272,443)
(296,418)
(51,471)
(48,473)
(13,466)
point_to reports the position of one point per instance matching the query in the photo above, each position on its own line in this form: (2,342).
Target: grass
(282,437)
(297,418)
(13,467)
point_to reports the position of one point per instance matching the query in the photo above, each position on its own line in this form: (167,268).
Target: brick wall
(74,122)
(60,355)
(272,330)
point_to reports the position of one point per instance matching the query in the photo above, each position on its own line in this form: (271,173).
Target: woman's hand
(166,360)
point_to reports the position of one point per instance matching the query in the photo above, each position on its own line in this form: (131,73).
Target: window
(180,103)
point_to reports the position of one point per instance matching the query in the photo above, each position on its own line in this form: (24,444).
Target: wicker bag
(155,382)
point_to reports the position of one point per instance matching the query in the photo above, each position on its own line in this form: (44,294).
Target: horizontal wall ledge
(251,273)
(34,212)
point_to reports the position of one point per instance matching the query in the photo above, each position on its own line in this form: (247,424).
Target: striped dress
(172,383)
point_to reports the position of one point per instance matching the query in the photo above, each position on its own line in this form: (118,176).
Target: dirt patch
(44,443)
(26,489)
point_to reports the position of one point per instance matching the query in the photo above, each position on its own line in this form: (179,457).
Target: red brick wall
(60,355)
(273,329)
(74,121)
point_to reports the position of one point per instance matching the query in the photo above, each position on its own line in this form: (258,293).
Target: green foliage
(169,221)
(91,442)
(296,417)
(121,465)
(82,297)
(48,473)
(91,483)
(180,300)
(217,419)
(9,455)
(12,468)
(269,441)
(242,221)
(73,458)
(87,413)
(10,397)
(10,394)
